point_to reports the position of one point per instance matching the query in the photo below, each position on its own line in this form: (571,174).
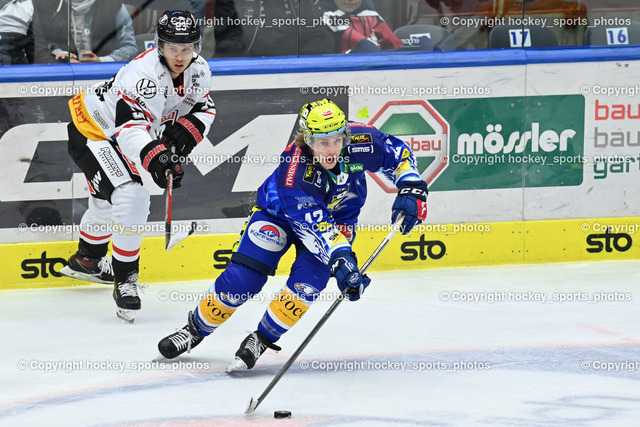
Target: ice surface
(415,350)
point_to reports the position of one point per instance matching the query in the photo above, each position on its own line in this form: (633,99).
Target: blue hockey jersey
(322,206)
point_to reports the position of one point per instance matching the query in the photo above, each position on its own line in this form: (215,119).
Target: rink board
(500,136)
(515,144)
(202,257)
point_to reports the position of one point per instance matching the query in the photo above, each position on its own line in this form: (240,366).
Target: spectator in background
(16,42)
(359,29)
(197,9)
(101,31)
(227,30)
(285,27)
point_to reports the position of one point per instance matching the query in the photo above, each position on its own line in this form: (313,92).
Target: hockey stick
(168,203)
(169,240)
(253,403)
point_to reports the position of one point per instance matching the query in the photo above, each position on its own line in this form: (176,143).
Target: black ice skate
(125,294)
(250,350)
(180,341)
(95,270)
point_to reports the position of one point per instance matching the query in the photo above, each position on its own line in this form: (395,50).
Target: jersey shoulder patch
(361,138)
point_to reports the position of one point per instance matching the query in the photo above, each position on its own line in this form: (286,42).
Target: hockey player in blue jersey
(311,201)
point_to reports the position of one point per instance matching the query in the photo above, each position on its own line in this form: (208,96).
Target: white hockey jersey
(133,108)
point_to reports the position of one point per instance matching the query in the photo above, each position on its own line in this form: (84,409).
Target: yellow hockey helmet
(322,118)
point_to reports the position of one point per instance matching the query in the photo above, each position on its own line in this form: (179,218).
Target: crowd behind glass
(63,31)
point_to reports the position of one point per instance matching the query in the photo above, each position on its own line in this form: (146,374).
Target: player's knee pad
(131,203)
(99,212)
(309,276)
(237,284)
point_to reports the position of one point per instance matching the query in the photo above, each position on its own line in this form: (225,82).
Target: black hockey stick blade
(181,235)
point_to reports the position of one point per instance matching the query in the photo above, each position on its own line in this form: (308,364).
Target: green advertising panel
(487,143)
(513,142)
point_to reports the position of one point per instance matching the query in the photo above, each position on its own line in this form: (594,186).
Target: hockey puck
(282,414)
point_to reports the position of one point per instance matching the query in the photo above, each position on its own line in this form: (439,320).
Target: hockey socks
(93,250)
(126,288)
(211,313)
(284,311)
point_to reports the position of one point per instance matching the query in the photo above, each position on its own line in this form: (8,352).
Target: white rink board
(614,196)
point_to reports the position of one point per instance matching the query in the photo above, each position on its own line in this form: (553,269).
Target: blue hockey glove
(344,268)
(412,202)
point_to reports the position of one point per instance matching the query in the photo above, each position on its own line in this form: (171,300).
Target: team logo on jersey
(146,88)
(268,236)
(361,138)
(338,199)
(305,202)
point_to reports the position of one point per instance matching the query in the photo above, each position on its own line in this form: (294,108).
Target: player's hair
(299,140)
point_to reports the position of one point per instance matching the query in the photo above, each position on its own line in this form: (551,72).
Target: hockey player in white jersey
(151,114)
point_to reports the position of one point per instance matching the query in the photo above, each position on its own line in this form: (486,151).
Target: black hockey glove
(344,268)
(158,160)
(412,202)
(184,134)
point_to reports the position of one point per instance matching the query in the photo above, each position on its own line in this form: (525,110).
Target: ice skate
(95,270)
(125,294)
(183,340)
(250,351)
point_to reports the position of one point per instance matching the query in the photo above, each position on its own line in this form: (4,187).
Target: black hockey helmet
(179,27)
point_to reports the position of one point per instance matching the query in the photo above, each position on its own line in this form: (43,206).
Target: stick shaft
(326,316)
(168,211)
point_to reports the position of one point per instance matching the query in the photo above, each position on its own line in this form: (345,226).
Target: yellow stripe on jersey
(214,311)
(244,228)
(82,119)
(288,307)
(405,168)
(333,236)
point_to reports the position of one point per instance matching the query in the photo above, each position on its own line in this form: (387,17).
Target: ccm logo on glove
(418,194)
(412,202)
